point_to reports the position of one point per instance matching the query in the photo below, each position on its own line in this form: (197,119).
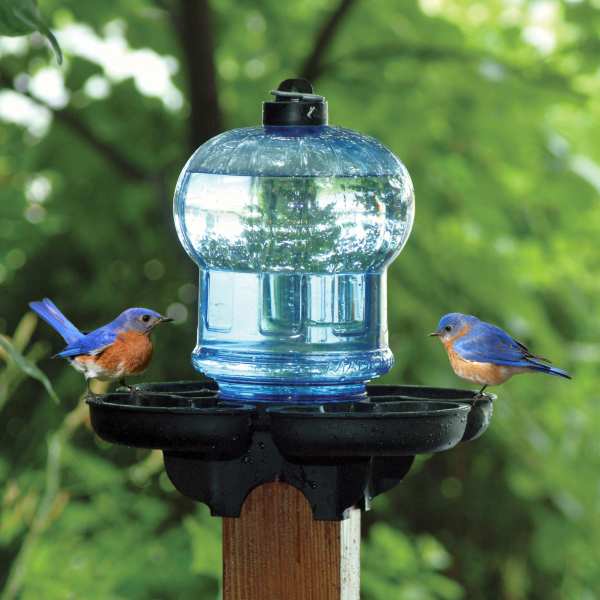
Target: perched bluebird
(111,352)
(485,354)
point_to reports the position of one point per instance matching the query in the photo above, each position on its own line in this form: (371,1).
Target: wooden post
(276,551)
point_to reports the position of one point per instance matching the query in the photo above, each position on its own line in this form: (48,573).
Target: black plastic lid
(295,104)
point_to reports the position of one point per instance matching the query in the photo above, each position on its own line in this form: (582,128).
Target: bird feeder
(292,225)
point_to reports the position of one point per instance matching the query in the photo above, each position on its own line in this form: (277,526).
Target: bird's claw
(123,385)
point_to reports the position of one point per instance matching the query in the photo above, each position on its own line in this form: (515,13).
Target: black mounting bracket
(331,486)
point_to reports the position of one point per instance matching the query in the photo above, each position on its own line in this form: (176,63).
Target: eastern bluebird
(485,354)
(123,347)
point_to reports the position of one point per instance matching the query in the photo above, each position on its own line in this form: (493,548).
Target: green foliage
(398,567)
(20,17)
(25,365)
(494,108)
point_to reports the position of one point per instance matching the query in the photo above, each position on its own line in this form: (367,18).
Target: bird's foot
(122,384)
(479,396)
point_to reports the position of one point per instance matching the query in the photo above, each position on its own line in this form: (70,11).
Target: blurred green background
(494,108)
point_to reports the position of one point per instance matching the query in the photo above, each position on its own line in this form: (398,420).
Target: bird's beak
(166,320)
(434,334)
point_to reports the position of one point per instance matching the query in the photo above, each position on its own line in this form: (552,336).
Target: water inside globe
(292,285)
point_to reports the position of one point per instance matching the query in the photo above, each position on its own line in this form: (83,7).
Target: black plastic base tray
(338,454)
(172,422)
(481,405)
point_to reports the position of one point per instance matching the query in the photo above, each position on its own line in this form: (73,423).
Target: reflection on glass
(299,224)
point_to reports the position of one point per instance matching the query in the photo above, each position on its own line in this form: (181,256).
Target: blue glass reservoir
(293,225)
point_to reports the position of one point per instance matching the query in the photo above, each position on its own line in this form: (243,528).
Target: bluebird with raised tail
(111,352)
(485,354)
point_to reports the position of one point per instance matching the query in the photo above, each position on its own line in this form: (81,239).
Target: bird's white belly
(92,370)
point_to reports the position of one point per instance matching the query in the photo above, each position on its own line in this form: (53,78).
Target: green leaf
(27,366)
(14,18)
(24,331)
(20,17)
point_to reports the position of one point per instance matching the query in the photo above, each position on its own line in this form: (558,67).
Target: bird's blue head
(453,323)
(141,320)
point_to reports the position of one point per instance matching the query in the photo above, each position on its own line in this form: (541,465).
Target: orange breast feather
(478,372)
(130,353)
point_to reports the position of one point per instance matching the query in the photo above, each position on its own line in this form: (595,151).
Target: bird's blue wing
(490,344)
(92,343)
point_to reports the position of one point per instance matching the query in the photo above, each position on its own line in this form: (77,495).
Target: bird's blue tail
(550,370)
(48,311)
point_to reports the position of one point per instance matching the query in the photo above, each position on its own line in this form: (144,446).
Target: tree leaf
(20,17)
(14,18)
(28,367)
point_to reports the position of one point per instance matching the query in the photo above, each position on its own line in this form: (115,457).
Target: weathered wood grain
(276,551)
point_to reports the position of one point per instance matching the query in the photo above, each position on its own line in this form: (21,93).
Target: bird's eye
(145,318)
(448,328)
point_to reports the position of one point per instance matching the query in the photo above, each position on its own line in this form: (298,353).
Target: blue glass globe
(293,227)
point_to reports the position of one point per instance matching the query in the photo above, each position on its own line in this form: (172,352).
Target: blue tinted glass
(293,228)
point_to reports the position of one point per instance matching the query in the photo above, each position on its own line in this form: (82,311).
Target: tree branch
(66,116)
(192,22)
(123,164)
(312,67)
